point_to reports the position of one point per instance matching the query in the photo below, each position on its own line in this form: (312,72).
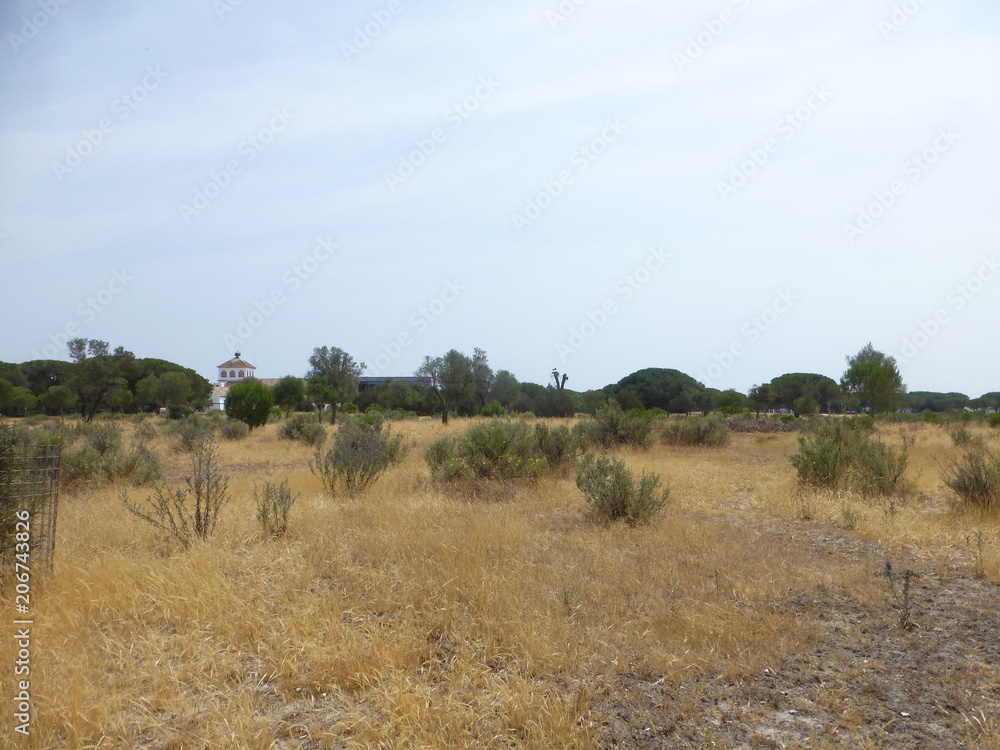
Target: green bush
(251,402)
(613,493)
(962,438)
(273,505)
(701,431)
(557,445)
(103,437)
(100,459)
(233,429)
(747,423)
(611,427)
(842,453)
(976,479)
(499,450)
(993,420)
(188,513)
(304,428)
(190,432)
(363,449)
(493,409)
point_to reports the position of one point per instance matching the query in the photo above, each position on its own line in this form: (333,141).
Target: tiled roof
(238,362)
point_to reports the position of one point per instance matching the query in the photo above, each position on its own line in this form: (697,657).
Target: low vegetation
(364,448)
(613,494)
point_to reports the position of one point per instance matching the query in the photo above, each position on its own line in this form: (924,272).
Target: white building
(230,372)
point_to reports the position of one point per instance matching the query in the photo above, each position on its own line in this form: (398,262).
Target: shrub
(493,409)
(613,494)
(703,431)
(976,479)
(612,427)
(190,432)
(363,449)
(962,438)
(443,459)
(557,445)
(187,513)
(250,402)
(233,429)
(993,420)
(748,423)
(103,437)
(303,427)
(500,450)
(273,504)
(101,459)
(143,432)
(841,453)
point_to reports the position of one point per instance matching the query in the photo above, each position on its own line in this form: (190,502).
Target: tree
(250,402)
(554,402)
(20,397)
(321,393)
(761,397)
(97,373)
(451,379)
(289,392)
(505,388)
(874,377)
(175,388)
(670,390)
(793,385)
(340,371)
(482,377)
(58,397)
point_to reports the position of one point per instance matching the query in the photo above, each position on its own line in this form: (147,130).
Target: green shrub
(443,459)
(500,450)
(493,409)
(962,438)
(190,432)
(233,429)
(747,423)
(976,479)
(557,445)
(701,431)
(85,464)
(251,402)
(993,420)
(611,427)
(304,428)
(613,493)
(841,453)
(103,437)
(363,449)
(144,432)
(188,513)
(273,505)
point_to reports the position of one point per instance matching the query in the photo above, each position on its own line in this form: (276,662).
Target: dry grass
(412,618)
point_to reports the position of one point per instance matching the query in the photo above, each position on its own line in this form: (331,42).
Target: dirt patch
(870,680)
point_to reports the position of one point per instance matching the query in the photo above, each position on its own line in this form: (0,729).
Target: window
(232,373)
(241,373)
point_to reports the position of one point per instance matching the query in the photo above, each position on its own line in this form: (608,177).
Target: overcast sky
(733,189)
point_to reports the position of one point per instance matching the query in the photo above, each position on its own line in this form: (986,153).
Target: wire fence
(29,498)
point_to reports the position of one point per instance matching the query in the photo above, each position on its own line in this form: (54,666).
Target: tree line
(97,378)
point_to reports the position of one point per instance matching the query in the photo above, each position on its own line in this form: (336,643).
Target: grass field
(749,613)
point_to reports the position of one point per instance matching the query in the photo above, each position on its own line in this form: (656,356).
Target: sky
(734,189)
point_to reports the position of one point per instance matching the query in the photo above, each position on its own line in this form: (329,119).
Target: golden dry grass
(414,618)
